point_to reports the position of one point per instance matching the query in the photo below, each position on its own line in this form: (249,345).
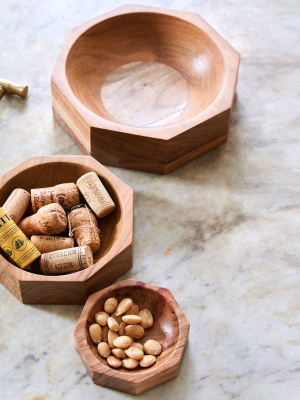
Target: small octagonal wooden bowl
(111,261)
(146,88)
(170,329)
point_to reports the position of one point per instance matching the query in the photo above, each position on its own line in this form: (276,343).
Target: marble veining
(222,232)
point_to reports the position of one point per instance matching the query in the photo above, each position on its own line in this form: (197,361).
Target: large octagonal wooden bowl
(170,329)
(111,261)
(144,87)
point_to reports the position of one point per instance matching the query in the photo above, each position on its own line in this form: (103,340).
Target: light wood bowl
(170,329)
(112,260)
(145,87)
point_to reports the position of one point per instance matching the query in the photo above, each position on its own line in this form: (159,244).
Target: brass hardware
(12,88)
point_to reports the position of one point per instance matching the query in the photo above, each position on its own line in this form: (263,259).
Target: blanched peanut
(114,362)
(95,333)
(115,329)
(138,345)
(147,318)
(134,331)
(111,337)
(152,347)
(112,324)
(147,361)
(101,318)
(122,342)
(120,353)
(110,305)
(135,353)
(129,363)
(105,330)
(123,306)
(103,349)
(122,328)
(132,319)
(133,310)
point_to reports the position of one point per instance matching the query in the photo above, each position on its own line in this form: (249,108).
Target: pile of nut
(115,330)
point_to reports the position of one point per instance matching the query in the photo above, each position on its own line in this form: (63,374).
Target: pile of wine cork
(116,330)
(63,231)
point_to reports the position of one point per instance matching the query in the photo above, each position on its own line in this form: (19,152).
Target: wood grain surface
(145,94)
(132,82)
(170,329)
(111,261)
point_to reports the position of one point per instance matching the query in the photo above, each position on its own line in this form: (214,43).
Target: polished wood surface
(111,261)
(145,94)
(131,82)
(170,329)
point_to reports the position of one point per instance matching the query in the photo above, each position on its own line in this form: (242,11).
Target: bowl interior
(50,174)
(165,329)
(145,69)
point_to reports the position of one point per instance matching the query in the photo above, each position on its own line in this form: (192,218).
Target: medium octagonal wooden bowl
(144,87)
(170,329)
(111,261)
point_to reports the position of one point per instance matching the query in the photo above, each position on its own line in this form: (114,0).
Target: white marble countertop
(222,232)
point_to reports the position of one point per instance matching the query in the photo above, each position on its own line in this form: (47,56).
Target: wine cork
(16,205)
(15,243)
(65,194)
(49,220)
(95,194)
(80,219)
(66,261)
(46,244)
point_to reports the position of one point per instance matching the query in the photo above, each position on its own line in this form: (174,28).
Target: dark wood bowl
(111,261)
(170,329)
(145,87)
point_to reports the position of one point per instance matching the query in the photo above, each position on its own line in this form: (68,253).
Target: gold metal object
(12,88)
